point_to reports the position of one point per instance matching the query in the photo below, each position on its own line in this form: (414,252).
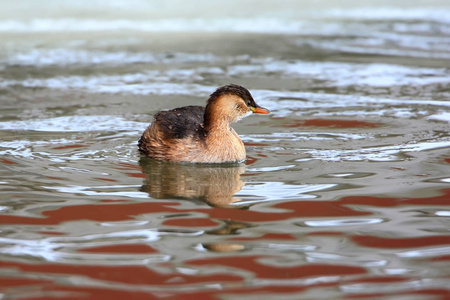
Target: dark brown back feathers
(180,122)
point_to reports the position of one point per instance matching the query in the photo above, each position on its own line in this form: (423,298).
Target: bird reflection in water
(212,184)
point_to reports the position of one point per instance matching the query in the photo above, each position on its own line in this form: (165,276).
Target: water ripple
(346,189)
(258,192)
(424,252)
(387,153)
(61,249)
(97,190)
(343,222)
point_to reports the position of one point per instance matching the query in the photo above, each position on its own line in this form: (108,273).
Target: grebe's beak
(260,110)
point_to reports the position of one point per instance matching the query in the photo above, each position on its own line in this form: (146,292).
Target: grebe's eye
(249,103)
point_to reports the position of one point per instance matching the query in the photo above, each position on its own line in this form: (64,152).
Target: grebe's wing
(180,122)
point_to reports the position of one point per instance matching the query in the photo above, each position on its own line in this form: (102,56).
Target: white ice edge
(73,56)
(333,73)
(386,153)
(441,116)
(118,84)
(75,124)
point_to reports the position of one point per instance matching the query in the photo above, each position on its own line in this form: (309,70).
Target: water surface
(345,192)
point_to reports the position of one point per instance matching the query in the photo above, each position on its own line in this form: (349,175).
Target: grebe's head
(232,102)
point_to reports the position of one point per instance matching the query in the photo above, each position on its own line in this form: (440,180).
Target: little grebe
(199,134)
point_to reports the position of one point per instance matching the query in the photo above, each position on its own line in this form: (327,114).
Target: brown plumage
(199,134)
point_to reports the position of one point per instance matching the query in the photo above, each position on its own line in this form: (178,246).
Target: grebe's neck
(216,118)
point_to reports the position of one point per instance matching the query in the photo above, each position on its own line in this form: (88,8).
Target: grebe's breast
(224,146)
